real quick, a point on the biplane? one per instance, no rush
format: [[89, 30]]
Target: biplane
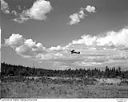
[[74, 52]]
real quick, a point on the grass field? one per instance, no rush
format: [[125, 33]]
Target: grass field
[[61, 88]]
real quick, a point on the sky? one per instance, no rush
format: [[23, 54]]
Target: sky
[[42, 33]]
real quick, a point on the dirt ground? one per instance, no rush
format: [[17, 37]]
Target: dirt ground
[[61, 89]]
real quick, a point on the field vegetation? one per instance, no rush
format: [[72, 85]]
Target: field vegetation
[[25, 82]]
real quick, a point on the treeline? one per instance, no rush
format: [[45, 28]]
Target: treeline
[[18, 70]]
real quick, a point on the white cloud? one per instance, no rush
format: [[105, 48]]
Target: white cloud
[[14, 40], [76, 17], [94, 50], [30, 42], [38, 11], [5, 7], [24, 47], [85, 39], [115, 39], [24, 51], [90, 9], [57, 48]]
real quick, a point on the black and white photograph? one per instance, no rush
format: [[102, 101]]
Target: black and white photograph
[[64, 49]]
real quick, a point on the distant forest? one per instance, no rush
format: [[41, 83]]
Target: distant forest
[[18, 70]]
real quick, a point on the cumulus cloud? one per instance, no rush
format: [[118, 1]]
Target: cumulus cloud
[[14, 40], [5, 7], [77, 17], [114, 39], [38, 11], [24, 47], [74, 19], [90, 9], [110, 39], [95, 50]]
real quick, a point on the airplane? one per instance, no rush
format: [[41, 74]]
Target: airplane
[[74, 52]]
